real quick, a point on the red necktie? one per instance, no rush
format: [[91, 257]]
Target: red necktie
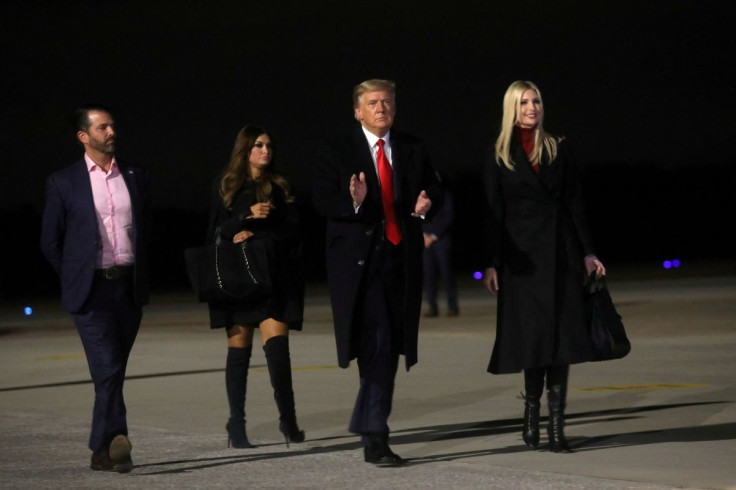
[[387, 195]]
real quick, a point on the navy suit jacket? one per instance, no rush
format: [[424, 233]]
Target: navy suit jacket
[[70, 237], [350, 235]]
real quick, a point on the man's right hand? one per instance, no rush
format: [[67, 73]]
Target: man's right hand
[[358, 189]]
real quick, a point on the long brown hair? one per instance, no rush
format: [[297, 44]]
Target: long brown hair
[[238, 172]]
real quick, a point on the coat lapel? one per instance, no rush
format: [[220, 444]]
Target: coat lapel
[[400, 154]]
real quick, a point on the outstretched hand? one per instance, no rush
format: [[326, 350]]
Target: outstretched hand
[[358, 189], [421, 208]]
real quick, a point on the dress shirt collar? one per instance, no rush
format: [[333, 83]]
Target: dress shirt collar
[[373, 139], [92, 166]]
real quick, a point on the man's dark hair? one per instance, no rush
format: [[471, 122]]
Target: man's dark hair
[[80, 121]]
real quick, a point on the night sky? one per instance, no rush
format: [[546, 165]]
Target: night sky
[[643, 90]]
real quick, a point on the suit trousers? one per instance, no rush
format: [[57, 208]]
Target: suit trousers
[[107, 324], [380, 338]]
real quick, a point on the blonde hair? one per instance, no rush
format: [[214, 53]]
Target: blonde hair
[[373, 85], [543, 141], [238, 173]]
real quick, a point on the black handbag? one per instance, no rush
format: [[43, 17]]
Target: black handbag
[[607, 334], [227, 271]]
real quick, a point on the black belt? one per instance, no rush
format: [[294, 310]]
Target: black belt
[[115, 272]]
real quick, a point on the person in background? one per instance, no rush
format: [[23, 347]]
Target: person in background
[[251, 202], [94, 233], [438, 259], [539, 252]]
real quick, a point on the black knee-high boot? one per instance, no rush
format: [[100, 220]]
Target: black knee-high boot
[[236, 381], [279, 368], [534, 386], [557, 400]]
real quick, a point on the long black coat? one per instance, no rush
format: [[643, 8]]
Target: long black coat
[[538, 237], [349, 236]]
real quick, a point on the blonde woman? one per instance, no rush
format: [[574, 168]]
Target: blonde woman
[[250, 202], [538, 254]]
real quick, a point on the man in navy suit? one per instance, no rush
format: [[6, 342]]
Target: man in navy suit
[[94, 234], [375, 186]]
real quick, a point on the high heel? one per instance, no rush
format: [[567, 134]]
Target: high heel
[[279, 369], [291, 432], [236, 436]]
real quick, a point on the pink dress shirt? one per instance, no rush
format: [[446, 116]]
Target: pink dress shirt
[[114, 215]]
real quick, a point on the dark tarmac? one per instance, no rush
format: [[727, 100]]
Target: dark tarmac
[[664, 417]]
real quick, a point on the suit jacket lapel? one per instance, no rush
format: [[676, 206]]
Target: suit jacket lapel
[[84, 185]]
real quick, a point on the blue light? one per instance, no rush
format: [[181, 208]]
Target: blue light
[[676, 263], [477, 275], [667, 264], [28, 310]]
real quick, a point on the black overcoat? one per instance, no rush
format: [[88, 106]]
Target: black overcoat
[[350, 235], [538, 238]]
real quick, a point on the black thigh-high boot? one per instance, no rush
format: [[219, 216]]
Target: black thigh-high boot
[[557, 400], [236, 381], [534, 386], [279, 368]]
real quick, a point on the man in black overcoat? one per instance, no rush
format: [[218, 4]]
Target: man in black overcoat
[[375, 186]]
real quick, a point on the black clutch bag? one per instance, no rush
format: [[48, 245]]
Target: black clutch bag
[[227, 271], [607, 334]]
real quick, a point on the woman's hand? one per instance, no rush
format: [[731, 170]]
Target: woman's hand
[[260, 210], [490, 280], [242, 236], [593, 264]]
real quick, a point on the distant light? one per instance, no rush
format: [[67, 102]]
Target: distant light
[[28, 311], [667, 264], [676, 263], [477, 275]]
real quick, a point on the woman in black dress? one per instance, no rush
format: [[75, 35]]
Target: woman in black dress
[[540, 250], [252, 203]]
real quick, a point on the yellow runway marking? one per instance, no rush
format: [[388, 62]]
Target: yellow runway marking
[[642, 387], [61, 358]]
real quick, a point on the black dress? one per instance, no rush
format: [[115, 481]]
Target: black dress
[[286, 303]]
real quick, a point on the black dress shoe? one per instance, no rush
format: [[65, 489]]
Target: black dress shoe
[[378, 452], [382, 459]]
